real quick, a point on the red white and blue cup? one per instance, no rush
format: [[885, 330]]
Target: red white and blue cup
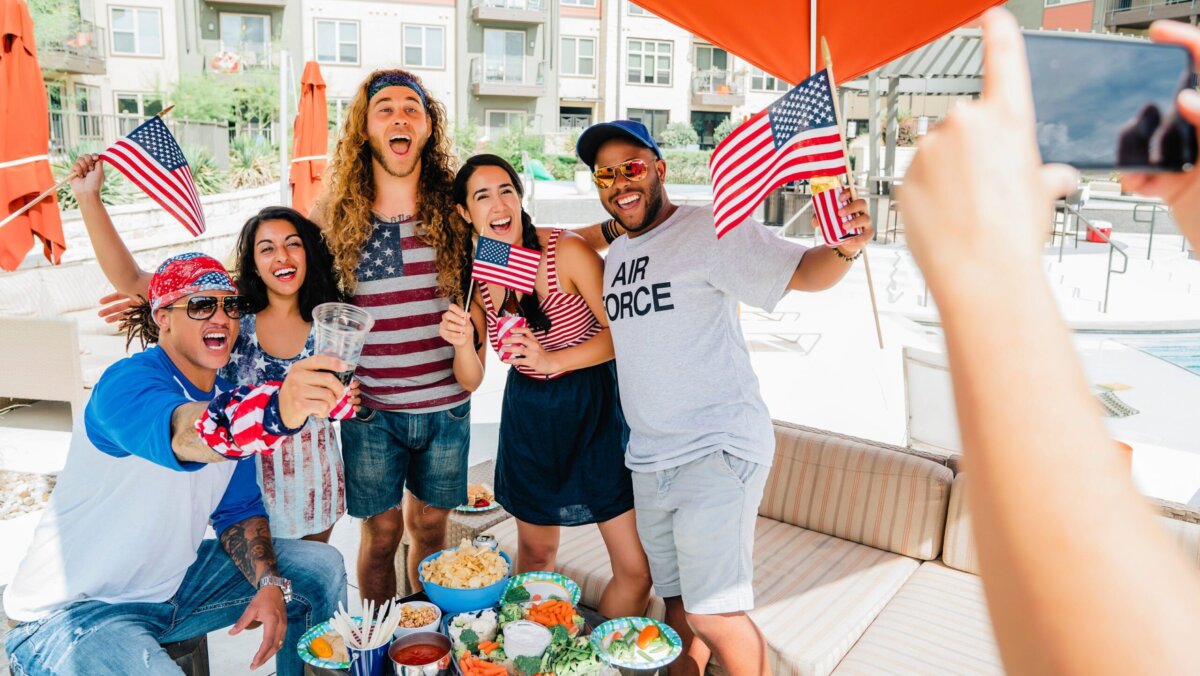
[[828, 196]]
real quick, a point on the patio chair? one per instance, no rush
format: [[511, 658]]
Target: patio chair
[[39, 359]]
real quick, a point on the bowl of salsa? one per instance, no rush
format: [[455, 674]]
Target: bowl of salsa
[[424, 653]]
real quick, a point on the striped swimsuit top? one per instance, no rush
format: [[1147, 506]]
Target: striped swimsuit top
[[571, 320]]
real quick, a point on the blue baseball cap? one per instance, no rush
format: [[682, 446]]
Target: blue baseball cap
[[594, 136]]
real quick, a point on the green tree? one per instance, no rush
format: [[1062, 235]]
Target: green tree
[[515, 141], [724, 129], [54, 21], [247, 97]]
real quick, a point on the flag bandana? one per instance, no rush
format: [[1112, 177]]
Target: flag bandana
[[186, 274], [828, 196], [152, 160], [505, 264], [796, 138], [246, 420]]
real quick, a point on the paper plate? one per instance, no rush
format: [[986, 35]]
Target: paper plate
[[601, 638], [308, 657], [545, 584], [470, 509]]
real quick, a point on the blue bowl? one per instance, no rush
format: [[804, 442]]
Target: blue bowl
[[452, 600]]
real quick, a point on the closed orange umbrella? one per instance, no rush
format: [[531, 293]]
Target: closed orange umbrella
[[862, 34], [24, 143], [312, 140]]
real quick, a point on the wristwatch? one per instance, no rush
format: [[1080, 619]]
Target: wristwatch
[[284, 584]]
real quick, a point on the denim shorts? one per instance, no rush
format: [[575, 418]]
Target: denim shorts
[[696, 523], [385, 451]]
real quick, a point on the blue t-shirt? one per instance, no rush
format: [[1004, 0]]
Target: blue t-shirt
[[130, 414]]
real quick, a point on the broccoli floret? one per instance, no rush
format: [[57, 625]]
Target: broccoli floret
[[470, 639], [559, 635], [517, 594], [528, 665], [511, 612]]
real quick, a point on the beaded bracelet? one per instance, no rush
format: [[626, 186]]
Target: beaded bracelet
[[844, 257]]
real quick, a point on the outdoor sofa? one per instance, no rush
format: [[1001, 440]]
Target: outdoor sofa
[[864, 561]]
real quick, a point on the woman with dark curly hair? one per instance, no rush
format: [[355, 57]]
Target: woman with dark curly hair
[[386, 216]]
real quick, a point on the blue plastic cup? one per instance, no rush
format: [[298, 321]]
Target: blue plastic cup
[[368, 662]]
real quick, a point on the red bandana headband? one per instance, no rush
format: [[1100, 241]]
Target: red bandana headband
[[186, 274]]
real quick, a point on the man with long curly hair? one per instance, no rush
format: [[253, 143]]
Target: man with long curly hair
[[386, 216]]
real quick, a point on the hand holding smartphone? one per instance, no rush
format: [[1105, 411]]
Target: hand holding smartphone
[[1109, 103]]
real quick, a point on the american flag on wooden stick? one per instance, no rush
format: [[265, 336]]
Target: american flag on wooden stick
[[795, 138], [505, 264], [150, 157]]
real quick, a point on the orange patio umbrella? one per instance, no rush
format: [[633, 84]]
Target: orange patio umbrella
[[777, 36], [24, 143], [312, 140]]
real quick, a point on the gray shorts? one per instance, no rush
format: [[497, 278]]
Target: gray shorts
[[696, 523]]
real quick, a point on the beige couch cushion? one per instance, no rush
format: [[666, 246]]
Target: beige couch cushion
[[816, 594], [858, 491], [959, 550], [936, 624]]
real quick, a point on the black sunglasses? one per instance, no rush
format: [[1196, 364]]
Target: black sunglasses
[[203, 307]]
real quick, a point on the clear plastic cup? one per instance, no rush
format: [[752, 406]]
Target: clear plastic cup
[[505, 326], [341, 331]]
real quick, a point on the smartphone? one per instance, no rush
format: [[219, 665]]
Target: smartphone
[[1109, 103]]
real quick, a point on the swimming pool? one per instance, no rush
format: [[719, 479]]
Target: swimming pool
[[1180, 349]]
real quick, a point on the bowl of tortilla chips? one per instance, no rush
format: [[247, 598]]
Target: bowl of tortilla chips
[[465, 577]]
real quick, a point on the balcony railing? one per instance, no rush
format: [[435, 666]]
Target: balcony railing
[[508, 77], [509, 11], [1141, 13], [218, 59], [81, 51], [717, 88]]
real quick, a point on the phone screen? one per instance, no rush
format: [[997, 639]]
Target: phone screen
[[1106, 104]]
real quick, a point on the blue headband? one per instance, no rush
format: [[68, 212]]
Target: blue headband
[[395, 78]]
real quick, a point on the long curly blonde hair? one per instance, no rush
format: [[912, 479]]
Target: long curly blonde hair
[[346, 208]]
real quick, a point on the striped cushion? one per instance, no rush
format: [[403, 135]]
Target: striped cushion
[[958, 551], [858, 491], [936, 624], [816, 594]]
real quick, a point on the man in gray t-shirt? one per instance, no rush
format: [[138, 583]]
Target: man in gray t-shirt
[[701, 441]]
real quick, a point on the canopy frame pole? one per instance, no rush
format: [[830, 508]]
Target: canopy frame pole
[[837, 112]]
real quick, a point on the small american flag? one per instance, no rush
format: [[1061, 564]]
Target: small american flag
[[825, 205], [795, 138], [150, 157], [505, 264]]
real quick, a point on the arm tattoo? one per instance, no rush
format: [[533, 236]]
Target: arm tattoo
[[188, 445], [248, 543]]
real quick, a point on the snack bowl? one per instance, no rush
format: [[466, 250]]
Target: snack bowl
[[433, 665], [452, 600], [432, 626]]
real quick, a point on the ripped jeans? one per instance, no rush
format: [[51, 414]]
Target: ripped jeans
[[94, 637]]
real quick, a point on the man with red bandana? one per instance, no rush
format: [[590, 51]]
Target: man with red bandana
[[119, 563]]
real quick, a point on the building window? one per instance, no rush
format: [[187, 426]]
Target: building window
[[578, 56], [499, 121], [136, 31], [248, 36], [649, 62], [337, 42], [578, 3], [635, 10], [503, 56], [87, 105], [655, 120], [761, 81], [337, 111], [139, 105], [423, 46], [574, 117]]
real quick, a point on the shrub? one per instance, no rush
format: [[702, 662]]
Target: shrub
[[724, 129], [515, 141], [247, 97], [678, 135], [206, 173], [687, 166], [252, 162], [116, 188], [466, 139], [562, 166]]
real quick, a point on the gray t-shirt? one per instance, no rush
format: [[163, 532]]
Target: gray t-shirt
[[671, 295]]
